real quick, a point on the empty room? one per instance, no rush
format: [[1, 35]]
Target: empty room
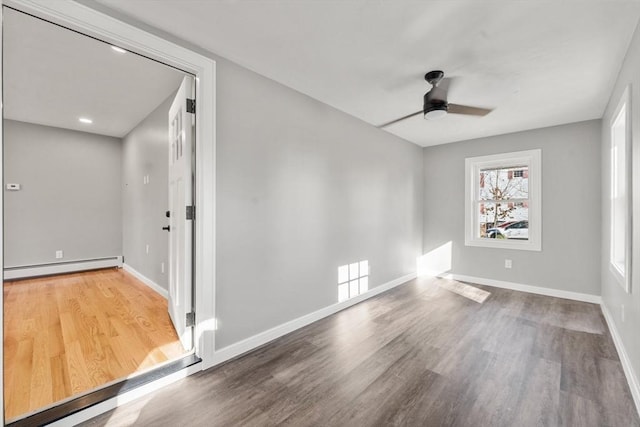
[[320, 213]]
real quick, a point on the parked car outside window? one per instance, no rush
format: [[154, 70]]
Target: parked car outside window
[[512, 230]]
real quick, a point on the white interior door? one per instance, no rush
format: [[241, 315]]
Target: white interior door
[[181, 146]]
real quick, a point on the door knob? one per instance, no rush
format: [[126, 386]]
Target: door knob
[[168, 228]]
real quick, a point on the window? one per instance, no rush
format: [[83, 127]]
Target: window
[[503, 193], [353, 280], [620, 190]]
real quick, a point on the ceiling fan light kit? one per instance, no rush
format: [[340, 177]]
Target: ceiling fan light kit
[[435, 112]]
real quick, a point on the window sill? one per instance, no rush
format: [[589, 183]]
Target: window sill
[[521, 245]]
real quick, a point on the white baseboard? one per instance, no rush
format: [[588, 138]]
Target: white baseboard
[[144, 279], [262, 338], [121, 399], [629, 372], [577, 296], [61, 267]]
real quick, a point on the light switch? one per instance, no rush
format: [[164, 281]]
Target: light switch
[[13, 187]]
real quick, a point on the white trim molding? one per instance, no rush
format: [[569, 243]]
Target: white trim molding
[[576, 296], [121, 399], [144, 279], [1, 222], [61, 267], [632, 377], [251, 343]]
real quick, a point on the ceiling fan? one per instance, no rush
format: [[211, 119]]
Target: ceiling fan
[[435, 101]]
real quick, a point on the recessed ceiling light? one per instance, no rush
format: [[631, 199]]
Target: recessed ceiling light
[[85, 120], [118, 49]]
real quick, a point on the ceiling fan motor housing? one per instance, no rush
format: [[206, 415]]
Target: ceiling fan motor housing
[[434, 108]]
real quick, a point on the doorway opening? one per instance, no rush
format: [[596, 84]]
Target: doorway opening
[[98, 182]]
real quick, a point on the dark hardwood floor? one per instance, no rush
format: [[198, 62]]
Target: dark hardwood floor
[[418, 355]]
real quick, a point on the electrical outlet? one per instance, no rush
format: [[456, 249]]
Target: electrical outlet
[[508, 263], [147, 249], [622, 312], [59, 254]]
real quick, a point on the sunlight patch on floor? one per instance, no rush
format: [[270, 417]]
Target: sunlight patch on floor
[[471, 292]]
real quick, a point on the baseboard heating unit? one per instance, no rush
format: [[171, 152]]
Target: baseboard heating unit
[[22, 272]]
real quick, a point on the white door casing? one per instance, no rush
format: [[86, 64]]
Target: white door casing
[[180, 196], [102, 26]]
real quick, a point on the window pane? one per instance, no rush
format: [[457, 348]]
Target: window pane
[[504, 183], [619, 191], [504, 220]]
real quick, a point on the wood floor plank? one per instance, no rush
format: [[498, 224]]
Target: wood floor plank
[[20, 394], [60, 383], [41, 385], [421, 354], [65, 335]]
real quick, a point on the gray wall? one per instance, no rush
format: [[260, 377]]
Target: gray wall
[[145, 152], [613, 296], [570, 208], [70, 197], [302, 189]]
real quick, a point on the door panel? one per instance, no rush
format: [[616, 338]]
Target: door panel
[[180, 196]]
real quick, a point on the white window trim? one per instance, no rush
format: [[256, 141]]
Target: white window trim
[[473, 165], [623, 278]]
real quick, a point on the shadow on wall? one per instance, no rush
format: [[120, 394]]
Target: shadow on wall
[[435, 262]]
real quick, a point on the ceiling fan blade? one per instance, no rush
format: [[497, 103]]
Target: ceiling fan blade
[[400, 119], [440, 92], [469, 111]]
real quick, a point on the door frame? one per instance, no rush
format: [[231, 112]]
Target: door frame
[[96, 24]]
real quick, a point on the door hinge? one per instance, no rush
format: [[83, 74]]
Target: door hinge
[[191, 106], [191, 319], [191, 212]]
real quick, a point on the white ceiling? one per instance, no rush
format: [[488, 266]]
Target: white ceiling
[[538, 63], [53, 76]]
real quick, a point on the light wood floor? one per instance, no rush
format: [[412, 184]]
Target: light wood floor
[[67, 334], [418, 355]]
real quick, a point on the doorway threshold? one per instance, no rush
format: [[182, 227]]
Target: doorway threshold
[[70, 407]]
